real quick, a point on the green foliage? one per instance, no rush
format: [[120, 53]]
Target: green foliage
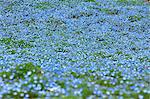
[[132, 95], [97, 79], [78, 32], [128, 56], [1, 57], [12, 51], [22, 43], [44, 5], [61, 84], [86, 90], [107, 83], [59, 49], [122, 0], [144, 58], [9, 7], [74, 74], [109, 11], [101, 54], [49, 34], [68, 97], [29, 22], [134, 18], [53, 20], [21, 70], [102, 83], [6, 40], [12, 43], [5, 74], [90, 0], [84, 76], [119, 52], [18, 95], [133, 2]]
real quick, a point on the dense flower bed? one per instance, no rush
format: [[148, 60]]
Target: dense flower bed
[[74, 49]]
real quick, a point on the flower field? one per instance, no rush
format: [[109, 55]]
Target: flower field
[[74, 49]]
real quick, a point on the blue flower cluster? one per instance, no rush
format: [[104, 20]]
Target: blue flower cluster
[[74, 49]]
